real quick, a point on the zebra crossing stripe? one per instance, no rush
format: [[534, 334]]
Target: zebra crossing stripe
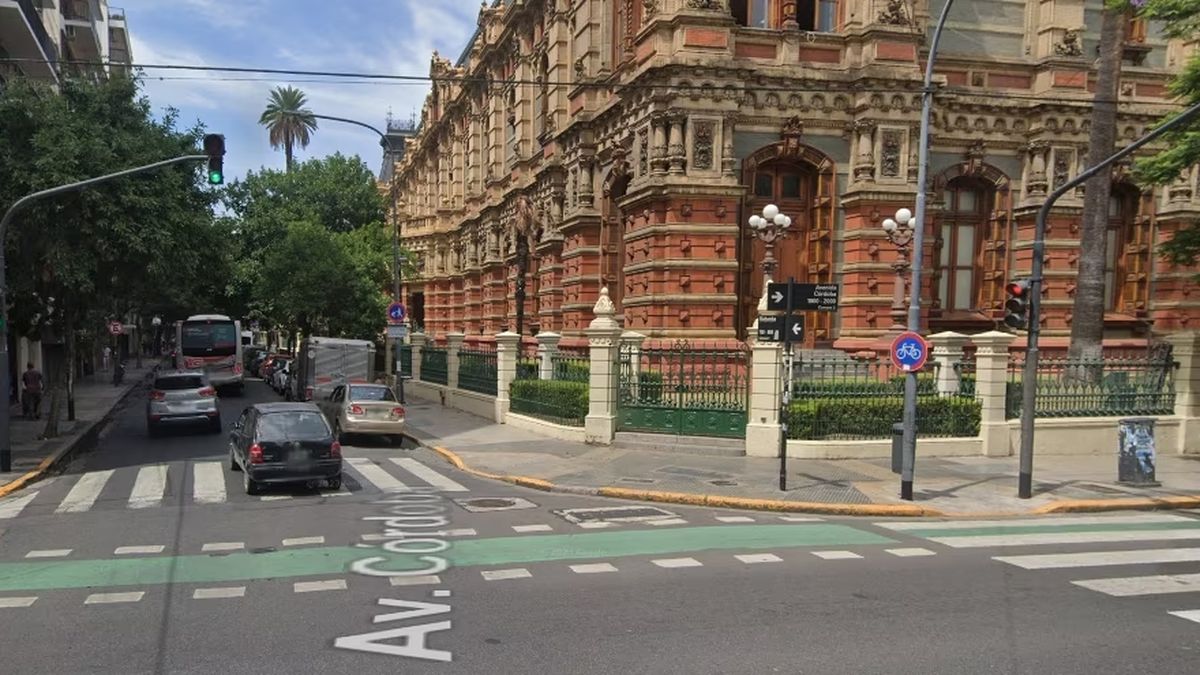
[[1052, 561], [1036, 538], [1136, 519], [428, 475], [375, 475], [208, 482], [1157, 584], [11, 508], [149, 487], [1190, 615], [85, 492]]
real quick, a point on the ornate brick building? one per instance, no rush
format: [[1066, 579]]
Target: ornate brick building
[[642, 134]]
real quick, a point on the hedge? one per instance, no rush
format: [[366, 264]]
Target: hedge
[[559, 401], [860, 387], [864, 418]]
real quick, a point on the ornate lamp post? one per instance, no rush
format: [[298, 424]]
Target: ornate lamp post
[[157, 323], [767, 228], [901, 235]]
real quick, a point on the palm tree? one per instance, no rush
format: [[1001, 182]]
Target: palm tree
[[288, 121]]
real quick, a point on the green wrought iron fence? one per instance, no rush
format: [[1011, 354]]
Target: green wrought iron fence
[[434, 365], [841, 398], [406, 360], [684, 389], [1115, 385], [477, 370], [562, 399]]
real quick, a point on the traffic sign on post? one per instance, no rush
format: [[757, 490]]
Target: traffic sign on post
[[909, 351], [772, 328], [114, 327], [395, 313], [805, 297]]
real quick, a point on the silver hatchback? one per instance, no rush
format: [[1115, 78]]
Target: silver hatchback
[[181, 398]]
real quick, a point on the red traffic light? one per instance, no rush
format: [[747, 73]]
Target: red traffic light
[[1018, 288]]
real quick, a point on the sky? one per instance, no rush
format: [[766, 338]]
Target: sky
[[379, 36]]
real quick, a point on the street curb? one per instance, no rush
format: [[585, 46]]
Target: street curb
[[69, 448], [694, 499], [1129, 504]]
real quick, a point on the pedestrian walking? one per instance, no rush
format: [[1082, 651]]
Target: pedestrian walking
[[34, 385], [107, 358]]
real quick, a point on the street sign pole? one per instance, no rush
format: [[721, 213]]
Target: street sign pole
[[786, 399]]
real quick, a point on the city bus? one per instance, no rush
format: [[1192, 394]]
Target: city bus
[[211, 343]]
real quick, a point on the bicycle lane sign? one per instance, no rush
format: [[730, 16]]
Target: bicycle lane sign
[[909, 351]]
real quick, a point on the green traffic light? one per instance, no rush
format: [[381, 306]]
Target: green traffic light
[[215, 178]]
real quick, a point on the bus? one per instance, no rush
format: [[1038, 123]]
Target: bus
[[211, 342]]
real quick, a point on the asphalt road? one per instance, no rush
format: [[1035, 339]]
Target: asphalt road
[[146, 557]]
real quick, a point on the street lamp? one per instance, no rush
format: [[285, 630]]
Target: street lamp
[[901, 235], [157, 323], [767, 228]]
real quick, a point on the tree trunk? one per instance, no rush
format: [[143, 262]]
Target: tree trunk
[[1087, 322], [287, 153], [58, 387]]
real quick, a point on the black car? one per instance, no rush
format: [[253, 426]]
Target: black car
[[277, 443]]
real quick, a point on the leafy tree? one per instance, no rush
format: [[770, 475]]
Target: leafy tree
[[337, 191], [287, 121]]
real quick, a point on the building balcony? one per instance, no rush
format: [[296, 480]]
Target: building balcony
[[23, 36], [119, 50], [81, 29]]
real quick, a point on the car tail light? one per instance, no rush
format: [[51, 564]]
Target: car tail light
[[397, 412], [256, 455], [335, 450], [158, 395], [355, 410], [237, 369], [208, 392]]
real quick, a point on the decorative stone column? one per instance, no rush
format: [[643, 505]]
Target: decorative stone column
[[728, 155], [991, 379], [604, 334], [586, 187], [676, 151], [658, 147], [948, 355], [1037, 183], [1185, 349], [864, 161], [454, 342], [508, 351], [766, 396], [417, 340], [547, 350]]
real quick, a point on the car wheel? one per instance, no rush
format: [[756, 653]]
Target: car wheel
[[252, 487], [233, 465], [335, 483]]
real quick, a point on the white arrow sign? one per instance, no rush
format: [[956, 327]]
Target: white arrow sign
[[777, 297], [797, 329]]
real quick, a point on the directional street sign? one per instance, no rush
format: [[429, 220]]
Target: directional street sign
[[909, 351], [805, 297], [395, 312], [771, 328]]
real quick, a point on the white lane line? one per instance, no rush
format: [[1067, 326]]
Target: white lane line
[[85, 492], [303, 541], [208, 482], [532, 528], [440, 593], [755, 558], [1156, 584], [836, 555], [428, 475], [315, 586], [1136, 519], [598, 525], [138, 550], [500, 575], [1189, 614], [461, 532], [423, 580], [735, 519], [112, 598], [666, 521], [670, 563], [801, 519], [10, 508], [223, 546], [216, 593], [149, 487], [1101, 558], [593, 568], [49, 553], [18, 602], [909, 552], [274, 498], [1035, 538], [374, 474]]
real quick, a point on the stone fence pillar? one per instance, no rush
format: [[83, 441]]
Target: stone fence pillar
[[454, 342], [547, 350], [766, 396], [604, 335], [948, 354], [417, 340], [1185, 348], [991, 381], [508, 352]]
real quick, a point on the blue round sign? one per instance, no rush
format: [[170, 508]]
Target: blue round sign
[[395, 312], [909, 351]]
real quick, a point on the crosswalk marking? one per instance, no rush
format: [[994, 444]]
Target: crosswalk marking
[[316, 586], [1046, 561], [375, 475], [735, 519], [671, 563], [756, 558], [217, 593], [303, 541], [593, 568], [49, 553], [10, 508], [222, 546], [18, 602], [110, 598], [1136, 519], [910, 552], [422, 580], [1190, 614], [1156, 584], [85, 492], [149, 487], [666, 521], [595, 525], [208, 482], [1035, 538], [532, 528], [500, 575], [836, 555], [138, 550], [428, 475]]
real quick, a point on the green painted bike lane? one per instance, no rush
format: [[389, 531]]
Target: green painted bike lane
[[63, 574]]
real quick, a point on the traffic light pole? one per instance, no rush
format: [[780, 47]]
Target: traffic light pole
[[5, 375], [1029, 378]]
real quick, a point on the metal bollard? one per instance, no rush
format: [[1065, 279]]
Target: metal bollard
[[898, 447], [1135, 452]]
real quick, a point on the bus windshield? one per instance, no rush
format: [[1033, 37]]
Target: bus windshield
[[209, 338]]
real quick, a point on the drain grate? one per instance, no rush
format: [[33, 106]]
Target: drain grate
[[615, 514], [485, 504]]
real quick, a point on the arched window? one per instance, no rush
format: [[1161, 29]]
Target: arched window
[[962, 227]]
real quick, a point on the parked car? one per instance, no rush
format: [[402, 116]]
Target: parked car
[[268, 365], [256, 362], [250, 357], [280, 443], [367, 409], [182, 397]]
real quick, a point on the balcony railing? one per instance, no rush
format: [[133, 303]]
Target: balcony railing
[[39, 30]]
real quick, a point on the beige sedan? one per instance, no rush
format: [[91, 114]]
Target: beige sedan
[[363, 409]]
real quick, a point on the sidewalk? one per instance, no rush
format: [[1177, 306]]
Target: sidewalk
[[95, 398], [942, 486]]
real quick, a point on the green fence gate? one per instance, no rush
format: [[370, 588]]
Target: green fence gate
[[683, 389]]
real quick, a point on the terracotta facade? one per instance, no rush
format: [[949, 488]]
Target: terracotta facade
[[644, 133]]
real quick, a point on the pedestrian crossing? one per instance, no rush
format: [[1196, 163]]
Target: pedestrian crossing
[[1086, 569], [206, 483]]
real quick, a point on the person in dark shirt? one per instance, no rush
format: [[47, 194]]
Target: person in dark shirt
[[34, 384]]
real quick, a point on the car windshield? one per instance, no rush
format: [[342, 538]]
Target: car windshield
[[178, 382], [293, 424], [371, 394]]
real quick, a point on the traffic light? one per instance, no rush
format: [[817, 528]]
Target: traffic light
[[214, 147], [1016, 308]]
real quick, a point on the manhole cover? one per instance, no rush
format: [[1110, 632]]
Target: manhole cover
[[484, 504], [723, 483], [616, 514]]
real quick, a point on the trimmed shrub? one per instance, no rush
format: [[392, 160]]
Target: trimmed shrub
[[560, 401], [816, 419]]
